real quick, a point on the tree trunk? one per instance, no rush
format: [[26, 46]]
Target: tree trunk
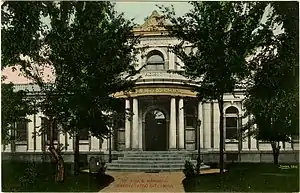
[[60, 171], [76, 155], [221, 128], [276, 150]]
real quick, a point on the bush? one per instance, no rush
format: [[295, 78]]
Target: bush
[[29, 176], [189, 169], [97, 165]]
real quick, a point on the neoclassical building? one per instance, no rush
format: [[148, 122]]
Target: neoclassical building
[[165, 113]]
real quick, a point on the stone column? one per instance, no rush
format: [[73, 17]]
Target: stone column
[[140, 131], [181, 123], [172, 129], [216, 126], [245, 141], [30, 130], [127, 126], [104, 146], [8, 146], [206, 125], [135, 124], [171, 61], [200, 117], [70, 143], [62, 136], [38, 138], [253, 141], [94, 144]]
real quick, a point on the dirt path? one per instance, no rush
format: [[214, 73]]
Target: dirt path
[[145, 182], [148, 182]]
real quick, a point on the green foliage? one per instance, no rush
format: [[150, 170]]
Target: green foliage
[[15, 106], [273, 99], [189, 169], [29, 176], [221, 35], [90, 48]]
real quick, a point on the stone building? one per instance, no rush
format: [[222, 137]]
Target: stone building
[[165, 112]]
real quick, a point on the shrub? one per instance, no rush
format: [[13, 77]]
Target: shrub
[[189, 169], [29, 176]]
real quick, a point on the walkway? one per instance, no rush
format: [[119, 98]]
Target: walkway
[[145, 182], [148, 182]]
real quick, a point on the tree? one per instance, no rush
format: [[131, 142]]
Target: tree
[[222, 35], [91, 49], [15, 106], [273, 99]]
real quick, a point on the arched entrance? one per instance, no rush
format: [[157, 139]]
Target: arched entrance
[[155, 131]]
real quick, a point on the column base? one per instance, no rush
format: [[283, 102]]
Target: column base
[[173, 149], [30, 150]]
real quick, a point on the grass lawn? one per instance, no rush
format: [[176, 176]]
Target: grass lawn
[[247, 178], [26, 177]]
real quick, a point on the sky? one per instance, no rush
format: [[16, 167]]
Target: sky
[[140, 10]]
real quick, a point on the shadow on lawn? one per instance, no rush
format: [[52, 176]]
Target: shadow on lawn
[[101, 181], [246, 178], [39, 177]]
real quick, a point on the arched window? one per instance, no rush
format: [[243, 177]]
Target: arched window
[[231, 123], [155, 61]]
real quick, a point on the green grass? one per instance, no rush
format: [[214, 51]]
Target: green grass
[[39, 177], [247, 178]]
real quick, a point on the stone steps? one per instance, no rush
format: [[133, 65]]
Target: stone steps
[[152, 161], [152, 169], [154, 158]]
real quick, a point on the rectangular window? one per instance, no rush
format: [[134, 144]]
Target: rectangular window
[[231, 133], [21, 130], [231, 128], [231, 122], [46, 126]]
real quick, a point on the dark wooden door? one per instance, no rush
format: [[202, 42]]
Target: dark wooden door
[[155, 132]]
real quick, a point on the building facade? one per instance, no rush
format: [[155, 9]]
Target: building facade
[[165, 113]]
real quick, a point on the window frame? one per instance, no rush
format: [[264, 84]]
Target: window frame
[[21, 142], [232, 115], [45, 133], [155, 65]]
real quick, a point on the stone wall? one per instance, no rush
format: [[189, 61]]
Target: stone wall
[[207, 157]]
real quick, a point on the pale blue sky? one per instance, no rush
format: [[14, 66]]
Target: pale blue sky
[[141, 9]]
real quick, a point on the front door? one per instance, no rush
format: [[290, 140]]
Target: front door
[[155, 131]]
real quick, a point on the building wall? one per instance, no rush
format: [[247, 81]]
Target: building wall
[[250, 149]]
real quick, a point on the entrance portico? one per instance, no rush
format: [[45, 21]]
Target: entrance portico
[[157, 122]]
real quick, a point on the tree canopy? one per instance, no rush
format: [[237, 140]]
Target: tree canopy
[[15, 107], [90, 48], [222, 35], [273, 99]]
